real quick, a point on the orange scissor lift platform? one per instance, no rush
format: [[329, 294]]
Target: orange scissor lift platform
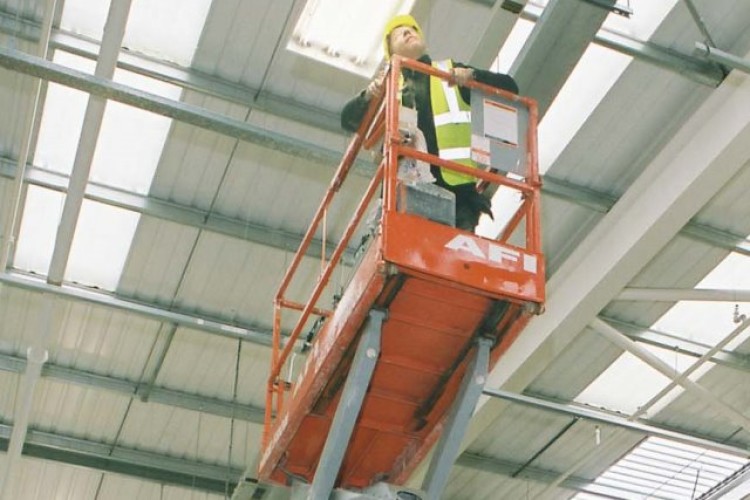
[[428, 311]]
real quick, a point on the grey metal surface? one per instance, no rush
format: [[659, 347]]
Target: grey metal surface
[[350, 404], [258, 336], [457, 420], [122, 460]]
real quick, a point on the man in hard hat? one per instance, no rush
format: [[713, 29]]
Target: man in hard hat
[[448, 137]]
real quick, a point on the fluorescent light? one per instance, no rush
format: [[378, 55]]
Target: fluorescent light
[[347, 35]]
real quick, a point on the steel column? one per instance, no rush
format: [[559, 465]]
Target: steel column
[[348, 408], [457, 421]]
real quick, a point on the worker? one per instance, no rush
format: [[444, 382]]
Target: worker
[[449, 139]]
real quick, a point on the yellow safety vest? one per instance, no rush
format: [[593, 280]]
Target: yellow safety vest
[[452, 119]]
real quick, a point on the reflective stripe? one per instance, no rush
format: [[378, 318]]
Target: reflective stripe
[[455, 153], [454, 113], [447, 118]]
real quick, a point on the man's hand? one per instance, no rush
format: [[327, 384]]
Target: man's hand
[[461, 76], [375, 89]]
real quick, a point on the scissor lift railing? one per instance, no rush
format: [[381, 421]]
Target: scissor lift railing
[[421, 287]]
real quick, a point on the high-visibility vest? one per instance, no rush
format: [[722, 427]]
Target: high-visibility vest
[[452, 118]]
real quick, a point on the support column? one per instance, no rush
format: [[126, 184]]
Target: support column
[[348, 409], [457, 422]]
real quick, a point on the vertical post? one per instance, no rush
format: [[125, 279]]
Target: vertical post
[[457, 421], [349, 407]]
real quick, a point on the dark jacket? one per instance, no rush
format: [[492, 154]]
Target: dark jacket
[[355, 109]]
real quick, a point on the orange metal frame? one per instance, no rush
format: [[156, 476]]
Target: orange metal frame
[[412, 263]]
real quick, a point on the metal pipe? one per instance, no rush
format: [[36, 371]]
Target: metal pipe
[[721, 57], [678, 294], [36, 356], [9, 228], [114, 31]]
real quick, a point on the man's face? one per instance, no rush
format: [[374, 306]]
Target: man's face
[[405, 41]]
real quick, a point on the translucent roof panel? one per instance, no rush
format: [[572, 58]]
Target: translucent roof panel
[[347, 35], [662, 469], [167, 29], [36, 238], [101, 245], [130, 139], [512, 46]]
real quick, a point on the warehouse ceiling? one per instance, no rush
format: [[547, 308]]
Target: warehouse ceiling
[[158, 174]]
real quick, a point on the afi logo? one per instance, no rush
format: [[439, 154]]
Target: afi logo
[[491, 252]]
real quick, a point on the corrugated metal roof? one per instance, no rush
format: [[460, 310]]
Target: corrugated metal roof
[[228, 279]]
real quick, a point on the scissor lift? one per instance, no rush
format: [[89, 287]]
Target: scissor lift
[[401, 361]]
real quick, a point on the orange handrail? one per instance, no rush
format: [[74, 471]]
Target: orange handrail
[[383, 119]]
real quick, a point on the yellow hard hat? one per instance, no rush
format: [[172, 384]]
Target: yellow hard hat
[[401, 20]]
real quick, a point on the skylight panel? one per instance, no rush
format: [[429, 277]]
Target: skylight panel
[[130, 140], [167, 29], [101, 245], [512, 46], [36, 237], [62, 119], [347, 35], [624, 386], [662, 469]]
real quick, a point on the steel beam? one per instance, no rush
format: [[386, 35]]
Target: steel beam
[[722, 407], [238, 228], [601, 417], [603, 203], [122, 460], [174, 212], [15, 60], [509, 469], [161, 395], [729, 359], [680, 294], [185, 319], [187, 78]]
